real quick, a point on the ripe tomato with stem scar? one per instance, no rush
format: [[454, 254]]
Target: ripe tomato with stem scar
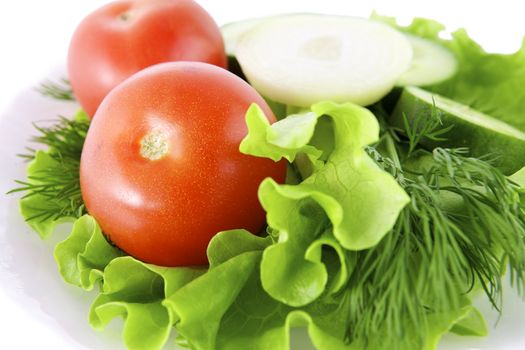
[[161, 169]]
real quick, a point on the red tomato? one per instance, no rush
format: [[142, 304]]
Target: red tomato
[[127, 36], [161, 169]]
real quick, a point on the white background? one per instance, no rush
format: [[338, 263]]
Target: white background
[[34, 38]]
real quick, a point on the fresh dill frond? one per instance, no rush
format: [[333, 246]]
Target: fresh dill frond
[[64, 138], [464, 227], [465, 223], [424, 127], [58, 90], [57, 185], [59, 188]]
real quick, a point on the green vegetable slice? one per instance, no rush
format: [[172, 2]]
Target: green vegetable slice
[[483, 135], [431, 63]]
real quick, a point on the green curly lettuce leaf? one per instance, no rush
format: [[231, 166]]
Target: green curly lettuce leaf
[[136, 291], [238, 313], [229, 244], [346, 193], [285, 139], [241, 315], [443, 322], [84, 254], [33, 204], [489, 82], [472, 324], [223, 308], [519, 178], [129, 288]]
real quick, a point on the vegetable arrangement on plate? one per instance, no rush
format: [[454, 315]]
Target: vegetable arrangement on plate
[[362, 181]]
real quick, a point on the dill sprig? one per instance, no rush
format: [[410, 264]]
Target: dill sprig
[[463, 228], [57, 184], [430, 128], [64, 137], [58, 90], [465, 223]]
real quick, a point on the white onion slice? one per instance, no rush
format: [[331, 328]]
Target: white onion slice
[[303, 59]]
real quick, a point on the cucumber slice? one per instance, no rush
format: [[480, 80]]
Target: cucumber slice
[[303, 59], [482, 134], [431, 63]]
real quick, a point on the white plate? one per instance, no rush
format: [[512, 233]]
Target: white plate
[[36, 307]]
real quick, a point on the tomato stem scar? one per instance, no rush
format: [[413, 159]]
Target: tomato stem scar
[[125, 16], [154, 145]]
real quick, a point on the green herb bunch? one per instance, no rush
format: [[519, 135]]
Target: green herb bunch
[[464, 225], [57, 184]]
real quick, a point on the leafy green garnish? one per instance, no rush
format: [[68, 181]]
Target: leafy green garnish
[[59, 91], [399, 283], [240, 314], [52, 189], [64, 138], [83, 256], [424, 128], [488, 82], [472, 324], [312, 270], [128, 288], [464, 225], [137, 292], [348, 195]]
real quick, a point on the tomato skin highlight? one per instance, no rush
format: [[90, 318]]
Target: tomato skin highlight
[[124, 37], [165, 211]]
